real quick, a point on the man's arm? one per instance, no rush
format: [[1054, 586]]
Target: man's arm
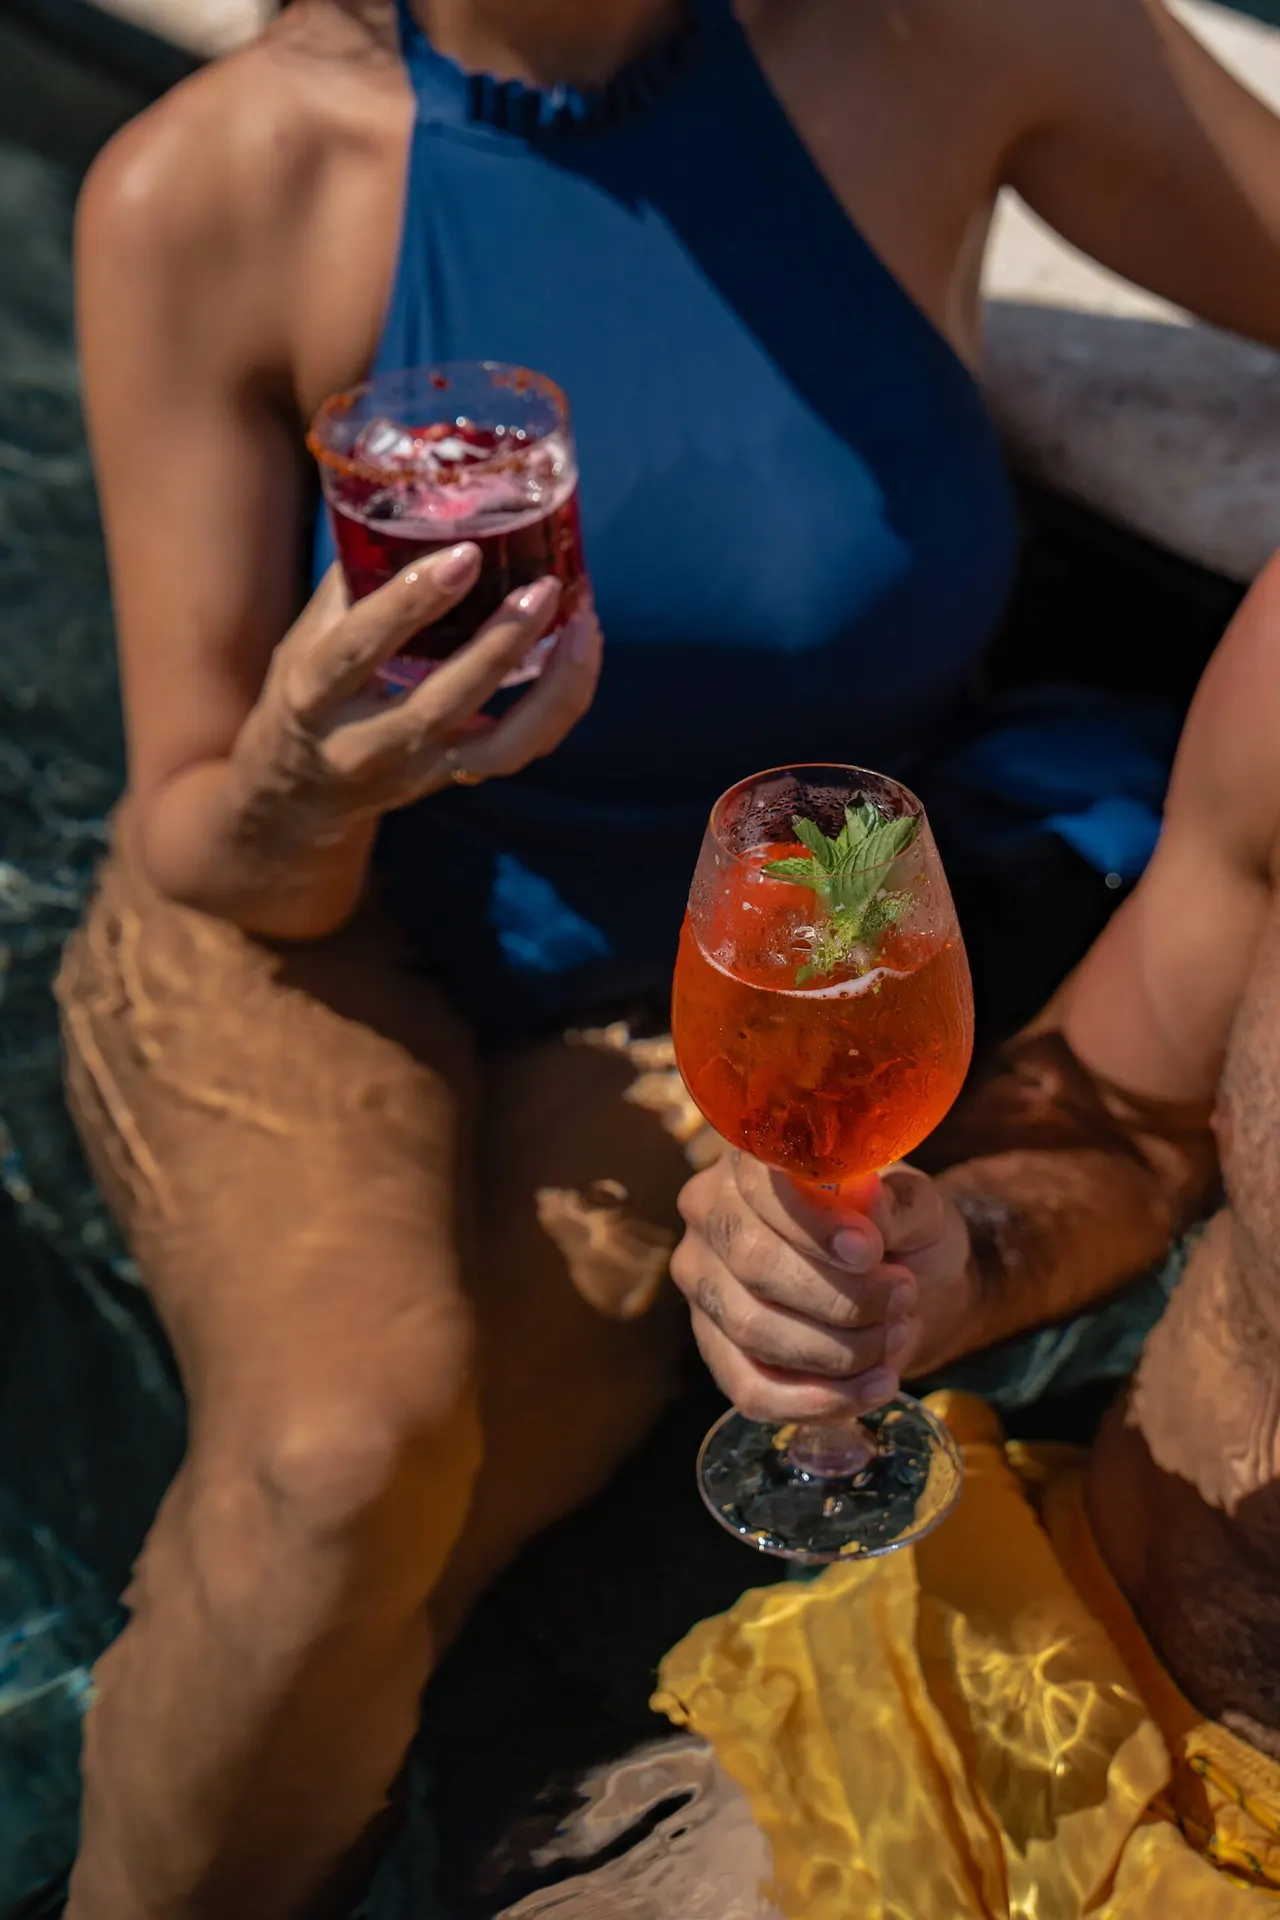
[[1088, 1145]]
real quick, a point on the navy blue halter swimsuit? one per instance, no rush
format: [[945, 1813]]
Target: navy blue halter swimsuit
[[796, 518]]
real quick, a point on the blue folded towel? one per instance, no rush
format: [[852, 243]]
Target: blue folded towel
[[1088, 766]]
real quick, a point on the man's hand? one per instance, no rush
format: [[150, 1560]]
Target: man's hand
[[811, 1311]]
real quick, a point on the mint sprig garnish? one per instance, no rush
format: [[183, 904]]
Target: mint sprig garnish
[[848, 874]]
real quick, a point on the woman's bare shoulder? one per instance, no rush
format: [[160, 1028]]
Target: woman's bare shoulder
[[227, 193], [233, 156]]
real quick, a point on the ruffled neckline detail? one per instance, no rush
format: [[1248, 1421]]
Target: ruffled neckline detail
[[448, 91]]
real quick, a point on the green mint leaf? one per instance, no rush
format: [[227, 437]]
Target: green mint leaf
[[803, 873], [854, 883], [811, 836], [863, 871], [850, 874], [889, 839], [884, 913], [858, 823]]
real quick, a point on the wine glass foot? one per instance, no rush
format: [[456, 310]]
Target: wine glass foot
[[909, 1486]]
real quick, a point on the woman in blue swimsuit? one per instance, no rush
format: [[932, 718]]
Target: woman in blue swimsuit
[[354, 1024]]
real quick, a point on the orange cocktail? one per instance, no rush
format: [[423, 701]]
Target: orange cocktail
[[833, 1078], [823, 1023]]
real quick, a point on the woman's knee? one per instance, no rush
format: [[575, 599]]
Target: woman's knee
[[373, 1472], [334, 1464]]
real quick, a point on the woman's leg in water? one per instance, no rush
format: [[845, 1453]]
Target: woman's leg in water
[[357, 1235]]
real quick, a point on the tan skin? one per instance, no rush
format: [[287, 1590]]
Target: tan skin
[[1181, 992], [236, 248]]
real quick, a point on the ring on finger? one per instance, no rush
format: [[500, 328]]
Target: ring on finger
[[460, 775]]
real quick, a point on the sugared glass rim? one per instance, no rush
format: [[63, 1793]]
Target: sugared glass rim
[[439, 375], [914, 808]]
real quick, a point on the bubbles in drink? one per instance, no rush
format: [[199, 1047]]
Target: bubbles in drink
[[450, 481], [868, 982], [384, 444], [417, 460], [832, 1077], [460, 480], [439, 448]]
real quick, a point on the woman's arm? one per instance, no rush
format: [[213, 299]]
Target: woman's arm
[[261, 751], [184, 276], [1143, 152]]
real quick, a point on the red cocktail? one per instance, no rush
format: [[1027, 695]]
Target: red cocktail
[[417, 461], [823, 1023]]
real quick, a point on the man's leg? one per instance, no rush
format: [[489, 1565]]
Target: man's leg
[[283, 1136]]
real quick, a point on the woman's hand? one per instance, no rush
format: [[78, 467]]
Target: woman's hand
[[810, 1312], [325, 749], [275, 835]]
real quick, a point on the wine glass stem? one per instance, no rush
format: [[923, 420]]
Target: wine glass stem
[[832, 1452]]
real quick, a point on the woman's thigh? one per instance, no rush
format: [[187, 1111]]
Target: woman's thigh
[[322, 1185], [279, 1133]]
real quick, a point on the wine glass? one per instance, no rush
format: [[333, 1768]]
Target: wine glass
[[823, 1023]]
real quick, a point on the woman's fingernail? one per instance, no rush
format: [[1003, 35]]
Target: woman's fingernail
[[876, 1387], [537, 598], [853, 1249], [901, 1300], [455, 566], [895, 1339]]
